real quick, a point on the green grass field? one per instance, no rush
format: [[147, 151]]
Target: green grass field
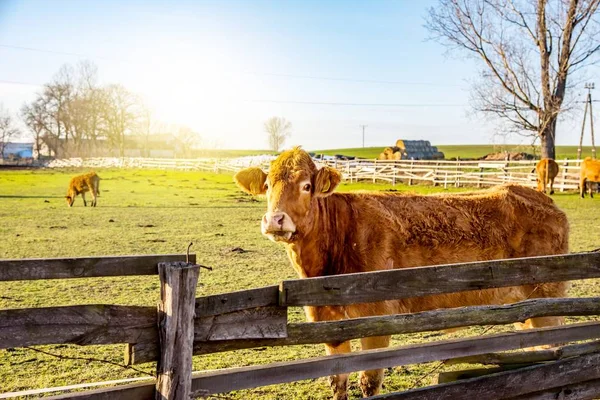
[[158, 212]]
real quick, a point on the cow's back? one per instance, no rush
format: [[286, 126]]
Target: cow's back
[[402, 231], [399, 231], [590, 169]]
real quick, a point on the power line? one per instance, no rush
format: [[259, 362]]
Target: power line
[[63, 53], [324, 78], [312, 77], [20, 83], [322, 103]]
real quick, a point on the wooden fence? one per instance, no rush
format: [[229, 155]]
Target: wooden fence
[[445, 173], [258, 317]]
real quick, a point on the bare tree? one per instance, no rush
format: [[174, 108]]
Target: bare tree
[[278, 129], [8, 130], [37, 119], [120, 114], [186, 139], [528, 49]]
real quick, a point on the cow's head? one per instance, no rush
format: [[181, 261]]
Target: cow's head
[[292, 187], [70, 199]]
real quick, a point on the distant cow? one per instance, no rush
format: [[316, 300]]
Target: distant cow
[[546, 171], [590, 172], [327, 233], [89, 182]]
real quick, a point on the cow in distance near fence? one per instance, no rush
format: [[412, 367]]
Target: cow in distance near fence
[[546, 171], [328, 233], [590, 173]]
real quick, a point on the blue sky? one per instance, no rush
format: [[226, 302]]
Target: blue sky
[[224, 67]]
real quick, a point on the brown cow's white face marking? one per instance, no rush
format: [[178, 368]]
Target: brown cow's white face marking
[[292, 186]]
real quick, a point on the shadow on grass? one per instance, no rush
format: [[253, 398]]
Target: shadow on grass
[[29, 197]]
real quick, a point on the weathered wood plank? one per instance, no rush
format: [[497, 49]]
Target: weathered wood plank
[[509, 384], [112, 324], [324, 332], [236, 301], [84, 267], [255, 376], [260, 323], [255, 323], [525, 357], [82, 325], [178, 282], [137, 391], [423, 281], [453, 376], [588, 390], [69, 388]]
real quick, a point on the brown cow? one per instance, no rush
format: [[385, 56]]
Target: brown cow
[[327, 233], [546, 170], [590, 172], [89, 182]]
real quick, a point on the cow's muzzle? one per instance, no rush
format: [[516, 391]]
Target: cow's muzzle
[[278, 226]]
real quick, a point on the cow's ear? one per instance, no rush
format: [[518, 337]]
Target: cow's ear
[[251, 180], [326, 181]]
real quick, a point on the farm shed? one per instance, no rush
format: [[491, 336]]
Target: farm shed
[[18, 150]]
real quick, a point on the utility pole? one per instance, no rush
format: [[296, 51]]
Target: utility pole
[[363, 129], [588, 101]]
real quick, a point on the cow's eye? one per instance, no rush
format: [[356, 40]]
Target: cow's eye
[[306, 187]]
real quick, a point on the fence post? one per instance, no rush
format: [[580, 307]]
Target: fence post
[[348, 171], [435, 174], [458, 173], [480, 177], [374, 170], [412, 161], [564, 174], [178, 282]]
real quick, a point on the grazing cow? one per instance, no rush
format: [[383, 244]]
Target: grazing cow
[[590, 172], [327, 233], [89, 182], [546, 170]]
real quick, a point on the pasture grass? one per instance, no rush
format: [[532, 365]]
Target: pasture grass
[[159, 212]]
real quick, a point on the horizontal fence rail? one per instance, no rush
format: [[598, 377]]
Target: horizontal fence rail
[[334, 331], [283, 372], [449, 173], [84, 267], [402, 283], [511, 384]]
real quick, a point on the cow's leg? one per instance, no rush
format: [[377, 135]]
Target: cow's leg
[[370, 381], [83, 197], [552, 186], [582, 188], [547, 290], [338, 383], [94, 195]]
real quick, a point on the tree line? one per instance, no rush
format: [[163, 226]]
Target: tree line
[[73, 115]]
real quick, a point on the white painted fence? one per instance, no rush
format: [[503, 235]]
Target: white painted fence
[[442, 172]]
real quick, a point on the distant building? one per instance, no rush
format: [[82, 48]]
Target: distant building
[[18, 150]]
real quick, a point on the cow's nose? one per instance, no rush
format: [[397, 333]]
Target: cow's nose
[[274, 220]]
